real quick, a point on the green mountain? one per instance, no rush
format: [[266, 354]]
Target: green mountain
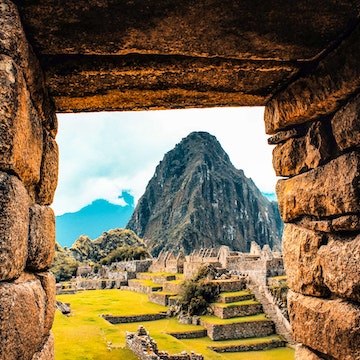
[[93, 220]]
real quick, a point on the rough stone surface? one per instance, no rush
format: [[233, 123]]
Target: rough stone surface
[[302, 264], [301, 154], [21, 318], [21, 135], [322, 92], [47, 351], [331, 189], [14, 44], [346, 124], [338, 224], [41, 237], [346, 223], [282, 136], [331, 327], [49, 171], [47, 280], [304, 353], [340, 263], [14, 226]]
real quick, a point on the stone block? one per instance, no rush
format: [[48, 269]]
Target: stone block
[[321, 92], [346, 223], [304, 353], [298, 155], [340, 263], [338, 224], [41, 238], [14, 226], [21, 134], [21, 318], [282, 136], [49, 171], [14, 44], [47, 351], [12, 37], [301, 260], [346, 124], [47, 280], [331, 327], [329, 190]]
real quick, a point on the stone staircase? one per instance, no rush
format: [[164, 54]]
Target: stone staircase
[[239, 316], [282, 326]]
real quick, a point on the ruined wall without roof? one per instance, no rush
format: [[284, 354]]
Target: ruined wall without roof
[[28, 177], [316, 126]]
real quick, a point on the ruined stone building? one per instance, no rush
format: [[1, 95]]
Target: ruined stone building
[[299, 59]]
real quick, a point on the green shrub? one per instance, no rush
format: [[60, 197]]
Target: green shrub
[[196, 294]]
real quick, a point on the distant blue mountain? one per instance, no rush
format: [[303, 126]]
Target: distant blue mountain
[[93, 220], [270, 196]]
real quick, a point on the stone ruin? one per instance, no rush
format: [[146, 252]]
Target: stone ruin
[[168, 262], [300, 61], [145, 348], [258, 263]]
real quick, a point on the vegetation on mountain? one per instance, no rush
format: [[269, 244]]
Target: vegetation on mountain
[[125, 253], [64, 265], [113, 245], [198, 199]]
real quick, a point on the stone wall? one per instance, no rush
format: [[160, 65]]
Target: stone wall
[[145, 348], [233, 331], [113, 319], [315, 123], [28, 178]]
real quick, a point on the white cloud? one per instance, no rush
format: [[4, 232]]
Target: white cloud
[[102, 154]]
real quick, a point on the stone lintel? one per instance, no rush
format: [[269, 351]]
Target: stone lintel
[[331, 327], [322, 92], [154, 81], [329, 190]]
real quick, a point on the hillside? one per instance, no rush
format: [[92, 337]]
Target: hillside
[[112, 245], [197, 198], [93, 220]]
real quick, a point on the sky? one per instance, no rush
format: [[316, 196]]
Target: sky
[[102, 154]]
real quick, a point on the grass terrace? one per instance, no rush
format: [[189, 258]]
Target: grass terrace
[[85, 335]]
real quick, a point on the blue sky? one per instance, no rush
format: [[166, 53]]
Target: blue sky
[[102, 154]]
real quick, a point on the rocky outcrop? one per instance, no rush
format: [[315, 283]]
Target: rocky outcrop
[[84, 249], [197, 198]]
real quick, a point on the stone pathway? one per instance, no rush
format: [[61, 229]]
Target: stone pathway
[[281, 324]]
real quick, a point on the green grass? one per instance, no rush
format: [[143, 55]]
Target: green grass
[[211, 319], [148, 283], [238, 303], [236, 293], [84, 334]]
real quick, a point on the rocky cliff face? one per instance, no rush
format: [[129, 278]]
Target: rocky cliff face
[[197, 198]]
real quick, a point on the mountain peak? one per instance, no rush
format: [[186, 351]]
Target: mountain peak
[[197, 198]]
